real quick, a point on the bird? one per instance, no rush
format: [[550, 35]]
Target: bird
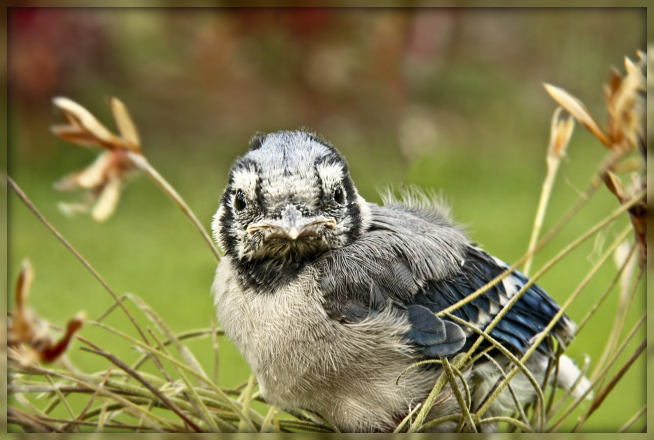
[[330, 298]]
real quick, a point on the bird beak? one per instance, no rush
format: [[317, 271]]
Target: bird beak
[[292, 226]]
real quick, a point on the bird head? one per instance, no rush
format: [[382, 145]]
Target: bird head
[[289, 198]]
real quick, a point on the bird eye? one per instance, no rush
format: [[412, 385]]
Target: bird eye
[[239, 201], [338, 196]]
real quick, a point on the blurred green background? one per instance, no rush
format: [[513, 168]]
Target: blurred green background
[[449, 99]]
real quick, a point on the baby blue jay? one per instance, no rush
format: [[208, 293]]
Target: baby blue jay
[[330, 298]]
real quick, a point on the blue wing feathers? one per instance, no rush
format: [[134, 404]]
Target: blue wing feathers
[[529, 315], [359, 286]]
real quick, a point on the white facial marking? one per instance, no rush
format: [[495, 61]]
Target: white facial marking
[[299, 185], [246, 181], [331, 175]]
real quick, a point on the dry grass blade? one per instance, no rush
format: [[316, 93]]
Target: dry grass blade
[[624, 307], [29, 422], [219, 392], [602, 224], [428, 404], [201, 408], [632, 420], [439, 421], [169, 334], [272, 411], [518, 405], [610, 287], [602, 395], [484, 334], [549, 327], [246, 398], [89, 382], [560, 134], [509, 420], [62, 399], [86, 264], [400, 427], [556, 424], [120, 364], [465, 409], [95, 396], [142, 163]]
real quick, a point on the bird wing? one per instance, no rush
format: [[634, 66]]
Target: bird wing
[[419, 264]]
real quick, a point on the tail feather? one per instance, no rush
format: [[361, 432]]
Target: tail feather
[[568, 375]]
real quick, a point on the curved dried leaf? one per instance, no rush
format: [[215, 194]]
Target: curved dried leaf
[[577, 109], [125, 124], [75, 135], [51, 353], [81, 117], [560, 134], [612, 85], [23, 285], [108, 200], [627, 106], [93, 175], [614, 184]]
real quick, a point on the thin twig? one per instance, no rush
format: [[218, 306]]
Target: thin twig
[[457, 393], [605, 392], [407, 419], [268, 419], [599, 226], [429, 402], [608, 290], [142, 163], [120, 364], [19, 192], [519, 364], [618, 325], [232, 405], [550, 402], [196, 401], [29, 421], [518, 404], [247, 398], [509, 420], [601, 375], [633, 419], [62, 399], [95, 396], [545, 332]]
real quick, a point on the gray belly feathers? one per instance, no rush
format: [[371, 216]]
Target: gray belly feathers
[[334, 337]]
